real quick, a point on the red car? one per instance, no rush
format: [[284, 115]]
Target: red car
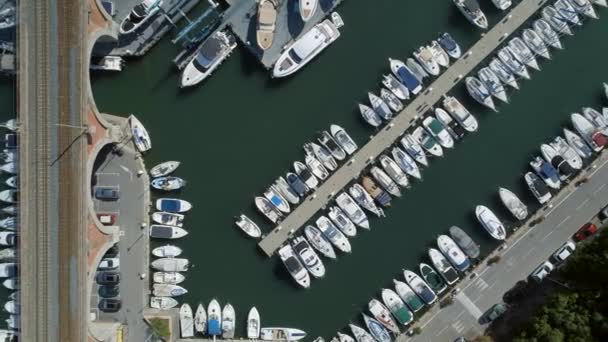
[[585, 231]]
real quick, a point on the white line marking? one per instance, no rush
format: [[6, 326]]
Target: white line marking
[[481, 284], [430, 319], [599, 189], [560, 202], [470, 306], [582, 204], [546, 236], [441, 331], [563, 221]]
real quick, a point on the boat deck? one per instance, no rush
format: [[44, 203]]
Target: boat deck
[[402, 121]]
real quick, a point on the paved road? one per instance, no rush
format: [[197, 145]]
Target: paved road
[[527, 249], [391, 133]]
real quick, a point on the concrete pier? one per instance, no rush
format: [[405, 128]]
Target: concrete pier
[[393, 131]]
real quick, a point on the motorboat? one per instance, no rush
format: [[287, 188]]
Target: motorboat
[[578, 144], [141, 138], [15, 295], [163, 303], [397, 307], [168, 290], [168, 219], [8, 254], [8, 269], [186, 321], [277, 200], [351, 209], [441, 264], [546, 32], [323, 155], [464, 241], [381, 196], [396, 87], [346, 338], [253, 324], [209, 57], [490, 222], [460, 113], [333, 234], [307, 8], [214, 318], [173, 205], [432, 278], [546, 172], [12, 283], [379, 106], [12, 181], [281, 334], [294, 266], [308, 256], [406, 163], [327, 140], [536, 43], [553, 157], [456, 131], [516, 207], [505, 74], [393, 170], [168, 183], [305, 48], [385, 181], [408, 296], [416, 69], [479, 92], [382, 314], [305, 175], [10, 168], [566, 10], [376, 328], [426, 140], [558, 22], [347, 143], [596, 118], [439, 55], [602, 3], [424, 56], [265, 207], [297, 184], [200, 320], [159, 231], [471, 10], [7, 238], [449, 45], [172, 278], [502, 4], [164, 169], [455, 255], [266, 23], [405, 75], [286, 191], [319, 241], [438, 132], [171, 264], [139, 15], [523, 53], [391, 100], [493, 84], [316, 167], [228, 321], [361, 335], [413, 148], [507, 57], [12, 307], [369, 115], [585, 129], [11, 210], [248, 226], [167, 251], [364, 199], [9, 223], [420, 287], [11, 125], [538, 188], [9, 196]]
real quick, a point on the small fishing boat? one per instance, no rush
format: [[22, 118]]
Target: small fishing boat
[[200, 320], [364, 199], [426, 140], [546, 172], [319, 241], [297, 184], [439, 55], [228, 321], [578, 144], [168, 219], [171, 264], [248, 226], [450, 45], [439, 133], [347, 143], [394, 171], [376, 329], [360, 334], [420, 287], [408, 296], [433, 278], [503, 73], [449, 124], [490, 222], [172, 278], [493, 84], [479, 92], [546, 32], [159, 231], [406, 163], [163, 303], [538, 188], [305, 175], [308, 256], [385, 181], [523, 53], [442, 265], [516, 207], [381, 196], [397, 307], [354, 214], [186, 322], [253, 324], [316, 167], [379, 106], [168, 290], [281, 334], [455, 255], [536, 43], [406, 76], [167, 251], [471, 10], [413, 148], [395, 86], [286, 191], [265, 207], [425, 57], [164, 169], [391, 100], [464, 241], [595, 117], [214, 318], [12, 307], [141, 138], [327, 141], [275, 198], [332, 233], [11, 284], [323, 155], [173, 205], [11, 125], [382, 315], [168, 183]]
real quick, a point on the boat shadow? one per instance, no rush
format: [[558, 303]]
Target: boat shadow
[[281, 273], [295, 25], [326, 5]]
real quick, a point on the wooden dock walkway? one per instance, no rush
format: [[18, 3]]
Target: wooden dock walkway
[[393, 131]]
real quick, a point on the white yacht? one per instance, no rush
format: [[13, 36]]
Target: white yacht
[[439, 54], [167, 251], [308, 256], [395, 86], [294, 266], [425, 57], [341, 220], [319, 241], [141, 138], [406, 162], [567, 152], [556, 20], [316, 167], [322, 154], [364, 199], [413, 148], [168, 290], [200, 319], [163, 303], [479, 92], [507, 57], [266, 23], [172, 278], [253, 324], [578, 144], [436, 129], [471, 10], [248, 226], [186, 321], [516, 207], [455, 255], [460, 113], [333, 234], [352, 210], [490, 222], [587, 131], [307, 8], [394, 171], [502, 4], [567, 11], [422, 137], [305, 48], [140, 14], [209, 56], [347, 143], [385, 181]]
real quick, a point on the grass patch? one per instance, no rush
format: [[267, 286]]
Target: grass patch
[[160, 326]]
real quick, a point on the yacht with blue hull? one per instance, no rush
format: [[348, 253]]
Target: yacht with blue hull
[[209, 56], [405, 75]]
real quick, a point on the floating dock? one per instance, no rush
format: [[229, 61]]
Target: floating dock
[[366, 155]]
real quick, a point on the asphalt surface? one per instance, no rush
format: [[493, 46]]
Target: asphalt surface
[[520, 256]]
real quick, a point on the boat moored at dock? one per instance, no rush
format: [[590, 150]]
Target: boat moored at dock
[[266, 23], [471, 10], [159, 231], [319, 241], [432, 278], [186, 322], [139, 15], [352, 210], [492, 83], [408, 296], [450, 45], [294, 266], [455, 255], [347, 143], [171, 264], [546, 32], [141, 138], [267, 209], [490, 222], [164, 169], [281, 334], [523, 53], [364, 199], [444, 267], [382, 315], [578, 144], [307, 8], [413, 148], [360, 334], [397, 307], [460, 113], [253, 323], [556, 20], [173, 205], [538, 188], [335, 236], [516, 207], [210, 55], [503, 73], [536, 43], [377, 329], [479, 92], [308, 256], [167, 251], [405, 75], [420, 287]]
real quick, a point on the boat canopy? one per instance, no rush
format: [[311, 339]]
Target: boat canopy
[[208, 54], [170, 205], [214, 328]]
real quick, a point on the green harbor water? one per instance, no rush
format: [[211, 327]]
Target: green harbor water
[[239, 130]]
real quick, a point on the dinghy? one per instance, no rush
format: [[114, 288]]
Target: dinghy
[[164, 169], [248, 226], [168, 183]]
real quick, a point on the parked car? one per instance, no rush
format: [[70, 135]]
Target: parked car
[[112, 252], [108, 193], [542, 271], [108, 278], [108, 291], [585, 231], [107, 219], [495, 312], [564, 252], [603, 215], [109, 304], [109, 264]]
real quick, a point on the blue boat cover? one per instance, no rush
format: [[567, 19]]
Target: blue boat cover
[[408, 79], [213, 328], [170, 205], [276, 201]]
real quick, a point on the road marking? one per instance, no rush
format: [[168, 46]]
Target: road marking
[[560, 203], [563, 221], [126, 169], [430, 319], [480, 283], [517, 241], [582, 204], [546, 236], [470, 306], [441, 331], [599, 189], [598, 168], [458, 326]]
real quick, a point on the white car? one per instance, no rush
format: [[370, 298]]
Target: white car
[[542, 271], [109, 264], [564, 252]]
